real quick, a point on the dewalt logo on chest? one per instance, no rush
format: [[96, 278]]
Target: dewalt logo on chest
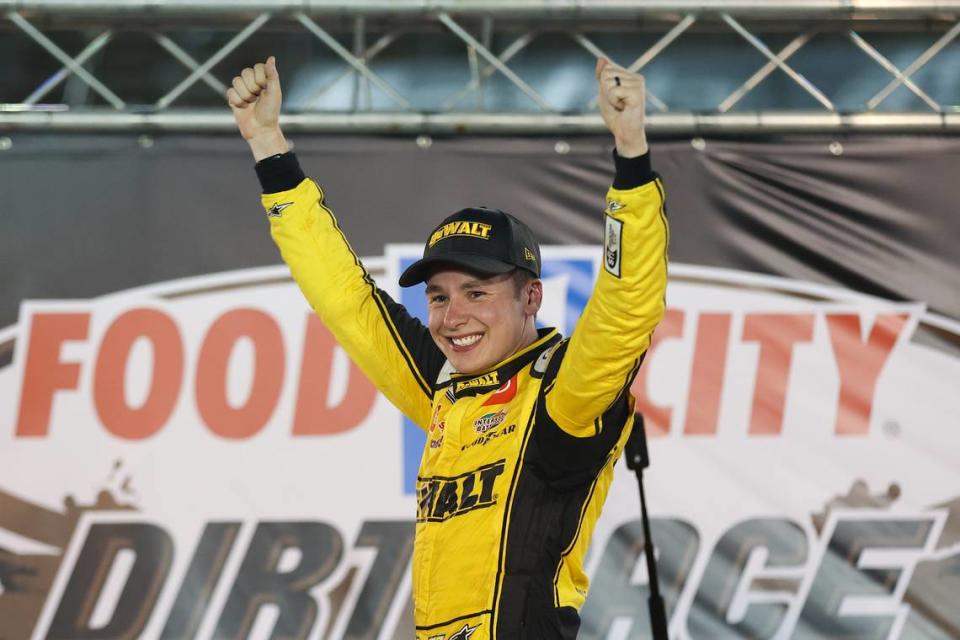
[[440, 498], [488, 380], [461, 228]]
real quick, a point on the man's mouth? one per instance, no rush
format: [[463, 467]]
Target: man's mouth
[[465, 343]]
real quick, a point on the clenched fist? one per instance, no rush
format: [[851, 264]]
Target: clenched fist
[[255, 99], [621, 99]]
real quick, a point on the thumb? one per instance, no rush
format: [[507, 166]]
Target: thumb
[[601, 63], [273, 78]]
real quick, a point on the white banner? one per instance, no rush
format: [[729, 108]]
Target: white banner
[[199, 459]]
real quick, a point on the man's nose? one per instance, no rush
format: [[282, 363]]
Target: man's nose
[[455, 314]]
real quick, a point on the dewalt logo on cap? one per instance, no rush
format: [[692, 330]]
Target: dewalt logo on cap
[[461, 228]]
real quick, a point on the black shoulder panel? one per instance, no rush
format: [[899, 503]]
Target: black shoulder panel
[[416, 338]]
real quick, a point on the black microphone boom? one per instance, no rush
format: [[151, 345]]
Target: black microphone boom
[[638, 459]]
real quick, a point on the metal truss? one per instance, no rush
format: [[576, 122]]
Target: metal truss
[[457, 66]]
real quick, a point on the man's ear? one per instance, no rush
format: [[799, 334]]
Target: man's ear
[[533, 297]]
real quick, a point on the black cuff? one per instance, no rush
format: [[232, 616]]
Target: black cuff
[[632, 172], [280, 172]]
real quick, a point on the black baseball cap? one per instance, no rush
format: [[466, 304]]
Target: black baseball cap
[[479, 239]]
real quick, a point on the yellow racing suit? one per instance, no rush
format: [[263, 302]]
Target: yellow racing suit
[[519, 458]]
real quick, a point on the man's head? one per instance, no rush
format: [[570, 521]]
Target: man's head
[[482, 269]]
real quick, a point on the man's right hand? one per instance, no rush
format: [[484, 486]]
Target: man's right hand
[[255, 99]]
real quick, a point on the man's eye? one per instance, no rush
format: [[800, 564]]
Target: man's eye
[[438, 299], [477, 294]]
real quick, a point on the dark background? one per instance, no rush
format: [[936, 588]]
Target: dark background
[[86, 215]]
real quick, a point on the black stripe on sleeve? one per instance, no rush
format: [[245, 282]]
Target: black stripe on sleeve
[[416, 337]]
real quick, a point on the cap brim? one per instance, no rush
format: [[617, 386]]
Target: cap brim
[[420, 270]]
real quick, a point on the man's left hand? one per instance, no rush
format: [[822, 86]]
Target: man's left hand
[[622, 100]]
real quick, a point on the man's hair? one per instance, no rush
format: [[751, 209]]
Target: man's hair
[[520, 278]]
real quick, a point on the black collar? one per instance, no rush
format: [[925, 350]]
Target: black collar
[[462, 385]]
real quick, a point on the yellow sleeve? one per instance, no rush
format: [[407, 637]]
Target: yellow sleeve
[[392, 348], [627, 302]]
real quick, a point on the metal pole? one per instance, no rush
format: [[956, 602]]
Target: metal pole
[[15, 118], [579, 8]]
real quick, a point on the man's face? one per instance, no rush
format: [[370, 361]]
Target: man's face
[[478, 321]]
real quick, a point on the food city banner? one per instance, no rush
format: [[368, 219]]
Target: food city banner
[[185, 452]]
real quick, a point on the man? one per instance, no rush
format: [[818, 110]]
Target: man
[[523, 427]]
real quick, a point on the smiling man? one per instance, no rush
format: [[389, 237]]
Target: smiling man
[[523, 426]]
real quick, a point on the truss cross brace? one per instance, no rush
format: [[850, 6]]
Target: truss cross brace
[[762, 48], [647, 56], [67, 61], [203, 69], [923, 59], [492, 59]]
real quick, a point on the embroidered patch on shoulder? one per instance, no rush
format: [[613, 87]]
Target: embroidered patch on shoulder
[[612, 246], [276, 210], [540, 366]]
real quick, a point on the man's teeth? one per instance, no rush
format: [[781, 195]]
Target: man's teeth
[[465, 341]]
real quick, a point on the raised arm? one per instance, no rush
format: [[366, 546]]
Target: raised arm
[[392, 348], [613, 333]]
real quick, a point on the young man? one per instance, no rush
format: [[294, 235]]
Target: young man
[[523, 427]]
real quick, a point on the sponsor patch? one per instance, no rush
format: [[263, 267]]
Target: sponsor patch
[[277, 209], [490, 435], [487, 380], [612, 246], [440, 498], [613, 205], [461, 228], [437, 428], [540, 366], [504, 394], [465, 632], [489, 421]]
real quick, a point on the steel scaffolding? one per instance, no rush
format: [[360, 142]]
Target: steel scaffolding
[[452, 66]]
